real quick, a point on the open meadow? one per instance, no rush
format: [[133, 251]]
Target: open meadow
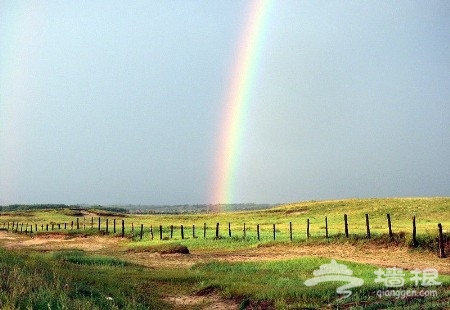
[[278, 258]]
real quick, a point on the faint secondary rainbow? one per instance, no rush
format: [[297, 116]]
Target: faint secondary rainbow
[[237, 101], [19, 32]]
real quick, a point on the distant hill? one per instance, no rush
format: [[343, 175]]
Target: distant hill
[[144, 209]]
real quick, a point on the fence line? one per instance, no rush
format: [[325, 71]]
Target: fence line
[[28, 229]]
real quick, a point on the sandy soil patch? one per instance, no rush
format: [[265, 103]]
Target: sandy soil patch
[[206, 302], [47, 242], [383, 257], [401, 257]]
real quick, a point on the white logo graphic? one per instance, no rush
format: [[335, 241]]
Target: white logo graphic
[[336, 272], [395, 277]]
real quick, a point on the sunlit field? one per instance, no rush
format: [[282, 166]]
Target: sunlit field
[[75, 259]]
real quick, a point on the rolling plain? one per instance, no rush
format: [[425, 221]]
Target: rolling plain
[[82, 258]]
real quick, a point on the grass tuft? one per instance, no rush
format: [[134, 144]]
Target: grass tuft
[[170, 248], [81, 258]]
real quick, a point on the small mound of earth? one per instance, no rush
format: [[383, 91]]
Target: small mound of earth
[[162, 249], [175, 249]]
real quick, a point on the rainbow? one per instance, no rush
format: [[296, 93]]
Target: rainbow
[[237, 100]]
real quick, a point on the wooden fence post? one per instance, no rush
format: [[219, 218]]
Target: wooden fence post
[[391, 235], [414, 232], [78, 223], [257, 230], [171, 231], [182, 232], [204, 230], [160, 232], [107, 225], [307, 228], [346, 225], [142, 230], [290, 231], [441, 242], [193, 231], [99, 223], [367, 226], [217, 230], [326, 227], [229, 229], [114, 226], [151, 231], [123, 228], [274, 232], [92, 222]]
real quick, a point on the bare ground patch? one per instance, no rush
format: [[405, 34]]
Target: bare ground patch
[[47, 242], [211, 301], [400, 257], [383, 256]]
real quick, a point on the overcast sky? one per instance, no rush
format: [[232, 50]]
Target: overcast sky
[[120, 102]]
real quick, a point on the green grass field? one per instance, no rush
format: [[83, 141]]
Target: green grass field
[[117, 276], [428, 212]]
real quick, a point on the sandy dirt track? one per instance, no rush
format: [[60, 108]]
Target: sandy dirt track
[[383, 256]]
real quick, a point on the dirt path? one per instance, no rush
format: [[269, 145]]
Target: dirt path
[[113, 246], [381, 256], [56, 241], [371, 254]]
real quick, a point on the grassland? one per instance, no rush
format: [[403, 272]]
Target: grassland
[[88, 268]]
